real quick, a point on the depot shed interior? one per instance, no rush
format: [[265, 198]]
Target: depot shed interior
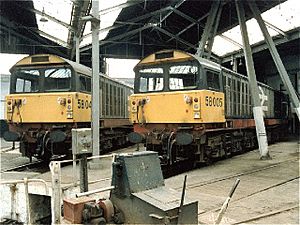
[[135, 29]]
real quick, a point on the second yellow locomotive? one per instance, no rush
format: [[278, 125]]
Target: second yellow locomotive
[[189, 108]]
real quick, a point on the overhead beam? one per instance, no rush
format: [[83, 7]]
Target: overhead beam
[[260, 46], [61, 42], [115, 38], [277, 60], [231, 40], [139, 18], [273, 27], [178, 12], [179, 3], [35, 42], [173, 36], [191, 25], [120, 6], [52, 18]]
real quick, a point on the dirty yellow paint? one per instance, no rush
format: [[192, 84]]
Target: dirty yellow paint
[[178, 107], [62, 107]]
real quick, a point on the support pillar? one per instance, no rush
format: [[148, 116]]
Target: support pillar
[[77, 42], [257, 109], [213, 32], [56, 192], [95, 24], [208, 27], [276, 57]]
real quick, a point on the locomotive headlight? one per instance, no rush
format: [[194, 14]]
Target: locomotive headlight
[[69, 105], [196, 115], [69, 115], [196, 107], [133, 109]]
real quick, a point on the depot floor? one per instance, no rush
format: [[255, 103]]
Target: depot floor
[[268, 192]]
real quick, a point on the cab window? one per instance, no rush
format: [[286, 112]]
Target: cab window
[[57, 79], [27, 80], [151, 79], [183, 77]]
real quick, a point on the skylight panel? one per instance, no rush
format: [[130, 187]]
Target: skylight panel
[[222, 46], [59, 9], [285, 16], [55, 31], [106, 20]]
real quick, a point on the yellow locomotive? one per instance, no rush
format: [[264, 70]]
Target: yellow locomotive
[[50, 95], [189, 108]]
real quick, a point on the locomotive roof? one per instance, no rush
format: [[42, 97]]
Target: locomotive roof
[[168, 55], [46, 59], [178, 56]]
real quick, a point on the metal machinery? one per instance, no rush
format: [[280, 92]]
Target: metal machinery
[[189, 108], [139, 196], [50, 95]]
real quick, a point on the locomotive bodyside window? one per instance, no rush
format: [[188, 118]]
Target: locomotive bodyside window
[[213, 81], [85, 83]]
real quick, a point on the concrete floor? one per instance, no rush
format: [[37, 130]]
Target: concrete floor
[[268, 192]]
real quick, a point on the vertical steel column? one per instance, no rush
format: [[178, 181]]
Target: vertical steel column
[[77, 51], [276, 57], [257, 109], [213, 32], [83, 174], [208, 27], [235, 65], [56, 192], [95, 24]]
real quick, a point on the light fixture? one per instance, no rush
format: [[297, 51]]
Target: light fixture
[[241, 63], [231, 61], [43, 18]]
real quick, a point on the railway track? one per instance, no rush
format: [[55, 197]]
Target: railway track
[[216, 209], [31, 166], [199, 184]]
